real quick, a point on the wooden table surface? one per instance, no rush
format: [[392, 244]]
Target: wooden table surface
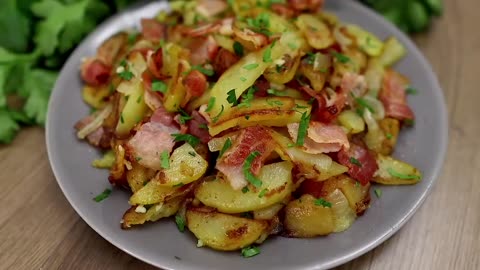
[[40, 230]]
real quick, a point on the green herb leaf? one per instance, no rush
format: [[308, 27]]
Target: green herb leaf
[[267, 55], [341, 57], [184, 117], [102, 196], [364, 104], [323, 202], [190, 139], [226, 146], [132, 38], [245, 190], [247, 169], [250, 251], [215, 119], [159, 86], [179, 185], [250, 66], [262, 193], [248, 97], [207, 72], [275, 92], [274, 102], [411, 91], [389, 136], [355, 161], [394, 173], [302, 129], [180, 221], [232, 98], [243, 79], [211, 103], [378, 192], [165, 160], [238, 48]]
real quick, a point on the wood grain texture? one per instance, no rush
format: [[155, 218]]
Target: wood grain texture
[[40, 230]]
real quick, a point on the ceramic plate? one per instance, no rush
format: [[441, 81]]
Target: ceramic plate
[[162, 245]]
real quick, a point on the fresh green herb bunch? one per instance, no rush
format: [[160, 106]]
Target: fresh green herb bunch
[[408, 15]]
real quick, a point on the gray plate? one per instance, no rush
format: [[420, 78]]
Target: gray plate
[[159, 243]]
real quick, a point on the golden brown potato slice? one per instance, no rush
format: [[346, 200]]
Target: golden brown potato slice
[[221, 231], [391, 128], [96, 97], [343, 214], [186, 166], [304, 218], [395, 172], [276, 185], [358, 196], [138, 215], [138, 176], [316, 32], [154, 192]]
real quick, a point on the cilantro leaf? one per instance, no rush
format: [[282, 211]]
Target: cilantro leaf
[[14, 26], [39, 84], [247, 169]]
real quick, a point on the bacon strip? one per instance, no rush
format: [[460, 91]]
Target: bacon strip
[[95, 73], [203, 50], [250, 139], [366, 167], [153, 30], [152, 139], [393, 96], [321, 138]]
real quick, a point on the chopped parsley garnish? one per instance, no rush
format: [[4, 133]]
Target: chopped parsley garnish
[[364, 104], [206, 71], [248, 97], [132, 38], [299, 107], [232, 97], [203, 126], [311, 101], [262, 193], [274, 102], [215, 119], [245, 190], [250, 66], [159, 86], [126, 75], [138, 158], [341, 57], [102, 196], [355, 161], [247, 215], [323, 202], [250, 251], [238, 48], [357, 184], [184, 117], [267, 55], [165, 160], [139, 99], [389, 136], [310, 58], [394, 173], [226, 146], [211, 103], [302, 129], [121, 118], [378, 192], [247, 117], [260, 23], [180, 221], [179, 185], [190, 139], [409, 122], [252, 179], [280, 68], [193, 154], [243, 79], [276, 92], [411, 91]]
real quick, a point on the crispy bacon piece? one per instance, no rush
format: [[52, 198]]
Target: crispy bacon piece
[[152, 99], [108, 52], [366, 164], [100, 137], [353, 83], [302, 5], [224, 60], [283, 10], [321, 138], [153, 30], [249, 39], [155, 63], [262, 86], [196, 127], [393, 96], [153, 138], [95, 73], [203, 50], [311, 187], [195, 83], [250, 139], [329, 103]]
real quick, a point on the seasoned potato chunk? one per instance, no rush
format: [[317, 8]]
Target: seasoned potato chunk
[[303, 218], [391, 128], [138, 215], [221, 231], [358, 196], [276, 185], [395, 172]]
